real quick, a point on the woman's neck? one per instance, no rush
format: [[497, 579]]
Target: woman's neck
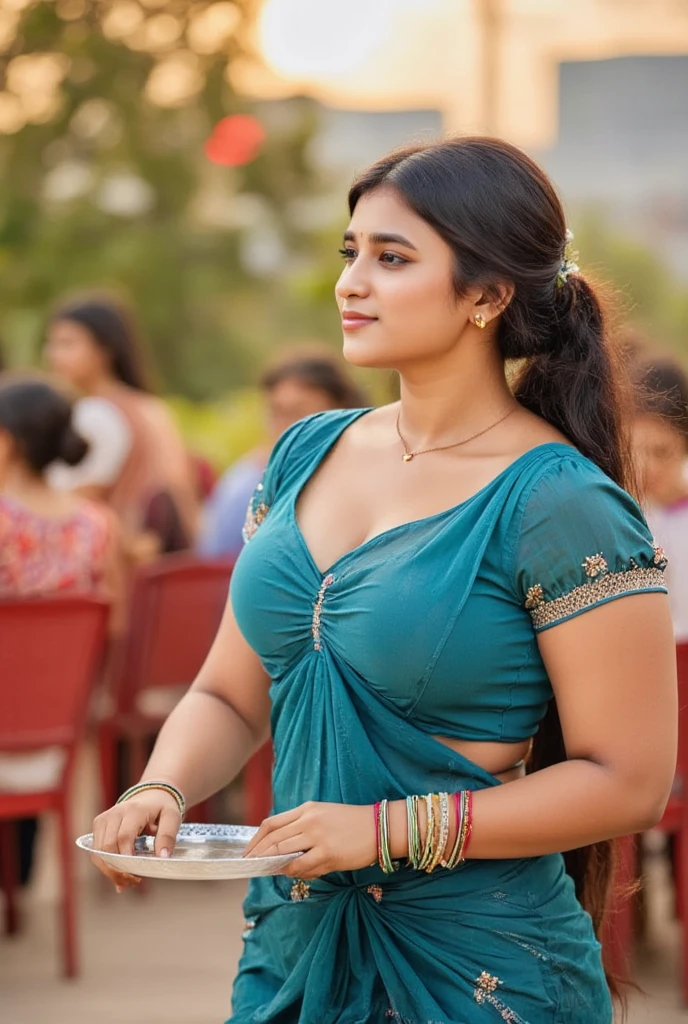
[[30, 489], [440, 403]]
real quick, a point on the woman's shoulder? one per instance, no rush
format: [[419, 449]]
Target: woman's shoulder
[[568, 481], [304, 444]]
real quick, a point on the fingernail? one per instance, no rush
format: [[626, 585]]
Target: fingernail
[[119, 889], [164, 852]]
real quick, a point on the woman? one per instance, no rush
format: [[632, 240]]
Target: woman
[[136, 462], [660, 441], [299, 385], [50, 543], [420, 580]]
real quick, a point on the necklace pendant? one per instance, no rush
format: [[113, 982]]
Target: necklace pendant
[[407, 457]]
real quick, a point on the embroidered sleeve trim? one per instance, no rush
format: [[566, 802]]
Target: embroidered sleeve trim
[[598, 589]]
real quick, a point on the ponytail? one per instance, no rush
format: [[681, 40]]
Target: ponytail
[[576, 382]]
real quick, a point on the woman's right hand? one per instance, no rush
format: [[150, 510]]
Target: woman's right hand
[[153, 812]]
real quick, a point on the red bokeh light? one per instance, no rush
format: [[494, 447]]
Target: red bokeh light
[[235, 140]]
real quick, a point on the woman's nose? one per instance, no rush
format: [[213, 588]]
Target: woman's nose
[[352, 282]]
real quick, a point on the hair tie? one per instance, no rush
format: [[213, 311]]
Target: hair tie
[[568, 264]]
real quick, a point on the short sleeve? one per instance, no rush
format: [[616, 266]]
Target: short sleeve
[[582, 542], [109, 438]]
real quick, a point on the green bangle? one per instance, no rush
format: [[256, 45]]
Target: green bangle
[[167, 787], [385, 856]]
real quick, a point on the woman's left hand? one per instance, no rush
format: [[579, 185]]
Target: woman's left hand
[[333, 837]]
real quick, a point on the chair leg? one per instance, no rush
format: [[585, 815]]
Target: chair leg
[[9, 875], [681, 870], [69, 938], [107, 753]]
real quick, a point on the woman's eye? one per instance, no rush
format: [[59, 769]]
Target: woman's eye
[[347, 255], [392, 259]]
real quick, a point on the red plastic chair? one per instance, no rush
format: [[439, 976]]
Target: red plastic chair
[[620, 934], [51, 651], [675, 820], [175, 611]]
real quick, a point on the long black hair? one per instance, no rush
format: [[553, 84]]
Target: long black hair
[[113, 327], [500, 215], [39, 419]]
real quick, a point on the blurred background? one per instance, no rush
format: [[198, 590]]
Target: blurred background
[[193, 156]]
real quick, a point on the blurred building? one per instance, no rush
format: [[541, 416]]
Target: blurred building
[[623, 145]]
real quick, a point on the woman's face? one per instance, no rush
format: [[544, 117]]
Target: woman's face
[[291, 400], [660, 454], [395, 293], [72, 354]]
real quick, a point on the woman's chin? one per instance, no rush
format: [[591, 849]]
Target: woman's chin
[[358, 352]]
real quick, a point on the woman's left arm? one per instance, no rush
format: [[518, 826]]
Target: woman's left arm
[[613, 671]]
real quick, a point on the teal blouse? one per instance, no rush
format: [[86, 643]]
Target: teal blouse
[[428, 629], [565, 539]]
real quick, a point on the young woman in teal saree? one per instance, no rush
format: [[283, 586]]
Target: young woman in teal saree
[[419, 582]]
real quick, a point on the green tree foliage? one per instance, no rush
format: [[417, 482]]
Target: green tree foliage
[[105, 107]]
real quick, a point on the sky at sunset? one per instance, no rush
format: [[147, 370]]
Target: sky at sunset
[[397, 53]]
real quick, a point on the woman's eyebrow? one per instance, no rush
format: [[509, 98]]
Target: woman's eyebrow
[[382, 238]]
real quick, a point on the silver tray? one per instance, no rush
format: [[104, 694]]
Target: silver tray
[[201, 852]]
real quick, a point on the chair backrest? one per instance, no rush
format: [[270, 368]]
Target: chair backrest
[[176, 608], [682, 670], [51, 650]]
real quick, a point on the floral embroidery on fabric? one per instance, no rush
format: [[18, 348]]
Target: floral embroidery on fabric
[[595, 565], [535, 597], [255, 514], [376, 892], [660, 559], [485, 986], [300, 891], [600, 586]]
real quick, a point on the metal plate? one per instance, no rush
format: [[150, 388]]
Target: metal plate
[[201, 852]]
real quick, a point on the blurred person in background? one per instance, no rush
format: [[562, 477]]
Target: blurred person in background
[[136, 462], [298, 385], [50, 542], [660, 442]]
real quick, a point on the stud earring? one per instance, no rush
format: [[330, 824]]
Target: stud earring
[[479, 321]]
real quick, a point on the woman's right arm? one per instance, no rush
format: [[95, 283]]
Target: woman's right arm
[[213, 731]]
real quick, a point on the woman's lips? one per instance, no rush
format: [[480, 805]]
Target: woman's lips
[[354, 321]]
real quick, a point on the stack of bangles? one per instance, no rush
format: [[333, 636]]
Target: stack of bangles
[[431, 851], [167, 787]]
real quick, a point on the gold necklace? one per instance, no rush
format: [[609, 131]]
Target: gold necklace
[[409, 455]]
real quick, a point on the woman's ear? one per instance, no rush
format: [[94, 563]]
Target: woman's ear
[[489, 306], [7, 448]]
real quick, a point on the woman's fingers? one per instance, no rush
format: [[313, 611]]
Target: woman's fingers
[[168, 826], [310, 865], [267, 846], [271, 825], [118, 878]]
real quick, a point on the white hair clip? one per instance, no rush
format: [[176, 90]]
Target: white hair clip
[[568, 264]]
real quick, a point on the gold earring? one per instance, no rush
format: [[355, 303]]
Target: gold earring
[[479, 321]]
